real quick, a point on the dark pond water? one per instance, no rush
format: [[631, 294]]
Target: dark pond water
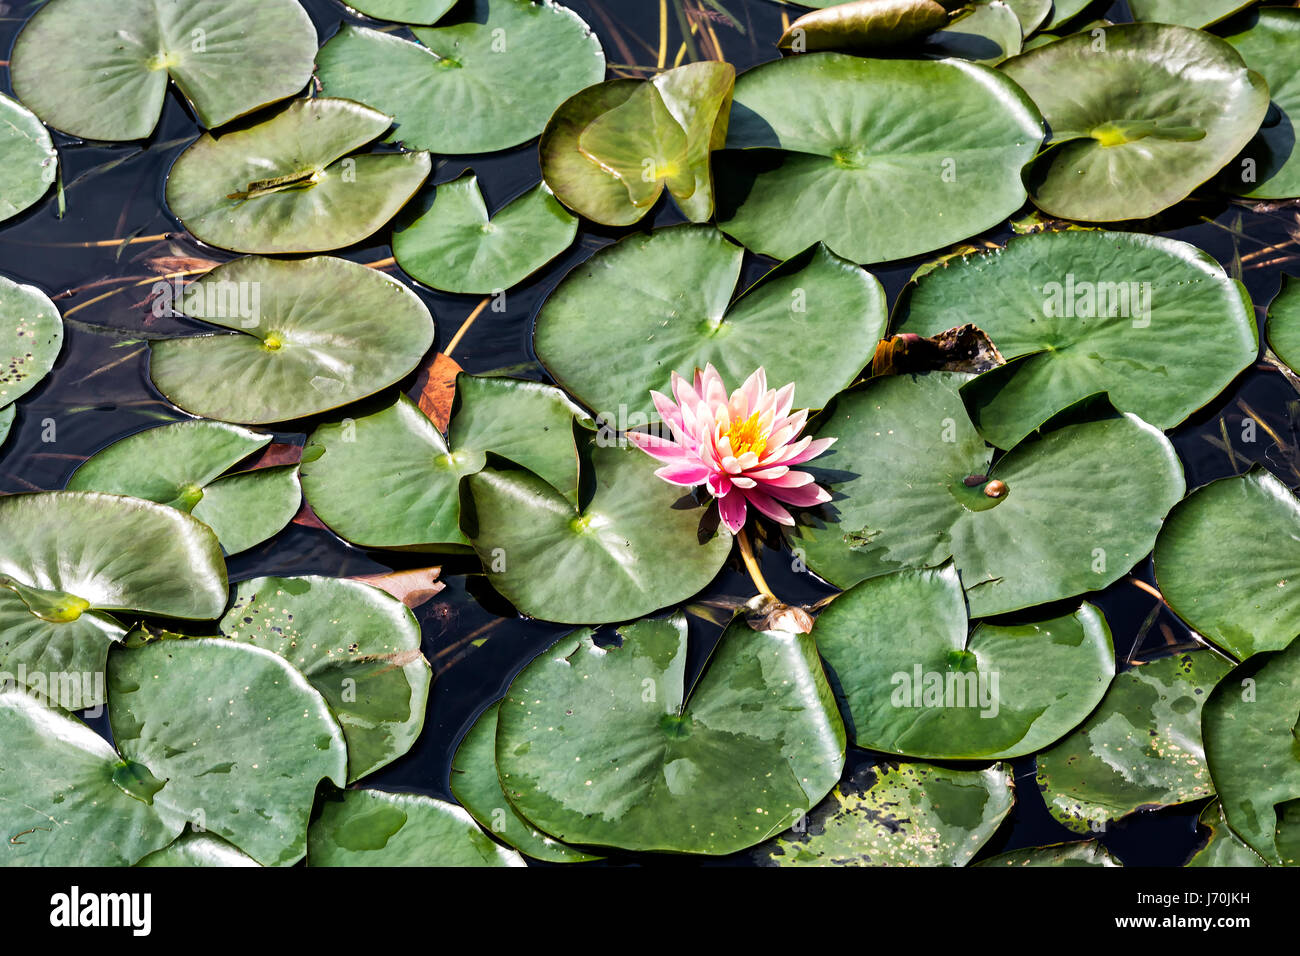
[[97, 261]]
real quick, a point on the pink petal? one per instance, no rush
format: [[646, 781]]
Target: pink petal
[[719, 485], [683, 473], [804, 497], [815, 448], [768, 507], [731, 508], [791, 479]]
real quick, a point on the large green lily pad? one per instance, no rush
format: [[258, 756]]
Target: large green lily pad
[[1222, 847], [482, 81], [323, 333], [1269, 41], [357, 645], [289, 185], [1283, 329], [475, 783], [31, 335], [1140, 749], [390, 479], [915, 685], [374, 828], [456, 247], [1250, 732], [182, 464], [1188, 13], [637, 545], [240, 737], [28, 160], [100, 71], [1155, 323], [911, 814], [404, 11], [611, 150], [1228, 563], [196, 849], [1140, 115], [1086, 853], [606, 746], [1083, 500], [906, 156], [665, 304], [66, 797], [67, 558]]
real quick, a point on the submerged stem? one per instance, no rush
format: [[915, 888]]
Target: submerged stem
[[751, 565]]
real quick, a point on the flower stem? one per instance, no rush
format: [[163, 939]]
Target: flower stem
[[751, 565]]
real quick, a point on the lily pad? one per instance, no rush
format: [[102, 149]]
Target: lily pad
[[1222, 847], [647, 764], [665, 302], [100, 71], [1188, 13], [479, 82], [1086, 853], [988, 34], [610, 150], [456, 247], [1249, 725], [1140, 749], [873, 25], [1155, 323], [6, 421], [28, 160], [1032, 14], [390, 479], [308, 336], [404, 11], [1065, 10], [475, 783], [31, 335], [66, 795], [240, 737], [1077, 505], [637, 545], [374, 828], [290, 185], [893, 167], [915, 685], [181, 465], [1268, 42], [911, 814], [1283, 330], [193, 849], [1229, 582], [69, 559], [359, 647], [1140, 114]]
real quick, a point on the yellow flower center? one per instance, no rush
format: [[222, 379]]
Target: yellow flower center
[[747, 436]]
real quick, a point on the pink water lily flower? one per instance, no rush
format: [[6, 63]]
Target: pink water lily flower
[[743, 447]]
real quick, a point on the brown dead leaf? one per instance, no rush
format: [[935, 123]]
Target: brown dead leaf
[[413, 587], [277, 453], [964, 349], [437, 384], [166, 265]]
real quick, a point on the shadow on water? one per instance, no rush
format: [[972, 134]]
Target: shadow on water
[[100, 390]]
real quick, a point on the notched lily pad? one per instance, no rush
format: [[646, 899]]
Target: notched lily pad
[[197, 849], [651, 765], [1269, 41], [456, 247], [909, 814], [374, 828], [293, 183], [308, 336], [482, 80], [100, 71], [665, 302]]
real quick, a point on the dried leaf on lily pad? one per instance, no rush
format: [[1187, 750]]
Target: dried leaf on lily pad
[[306, 336], [185, 465], [863, 25], [907, 814], [294, 183], [484, 78], [28, 160], [966, 348], [358, 646], [100, 70], [1141, 749], [436, 389], [610, 151], [65, 570], [375, 828], [652, 764], [414, 587]]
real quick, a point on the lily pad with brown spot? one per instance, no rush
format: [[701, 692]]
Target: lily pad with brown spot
[[31, 335]]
